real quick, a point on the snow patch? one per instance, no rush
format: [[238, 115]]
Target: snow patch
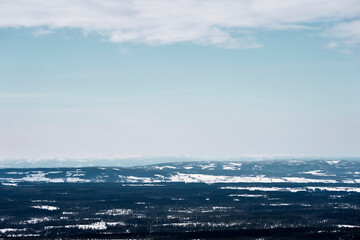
[[5, 230], [333, 162], [94, 226], [212, 165], [46, 207], [347, 226], [115, 212], [162, 167], [316, 173], [209, 179], [248, 195], [10, 184], [37, 220]]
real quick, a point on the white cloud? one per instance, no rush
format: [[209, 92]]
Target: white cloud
[[41, 32], [224, 23], [331, 45], [347, 52], [347, 32]]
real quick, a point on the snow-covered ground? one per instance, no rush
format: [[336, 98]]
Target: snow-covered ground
[[301, 189], [46, 207]]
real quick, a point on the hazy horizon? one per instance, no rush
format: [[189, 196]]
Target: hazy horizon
[[153, 160]]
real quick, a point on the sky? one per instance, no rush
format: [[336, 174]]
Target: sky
[[200, 78]]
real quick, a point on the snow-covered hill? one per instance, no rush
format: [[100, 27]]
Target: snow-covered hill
[[290, 171]]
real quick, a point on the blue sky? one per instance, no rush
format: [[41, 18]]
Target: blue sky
[[70, 87]]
